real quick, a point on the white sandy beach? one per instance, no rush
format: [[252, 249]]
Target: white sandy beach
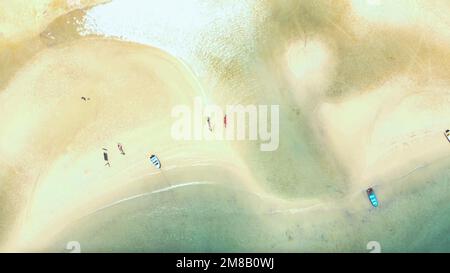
[[386, 121]]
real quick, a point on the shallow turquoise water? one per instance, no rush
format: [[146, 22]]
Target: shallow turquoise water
[[211, 218], [196, 218]]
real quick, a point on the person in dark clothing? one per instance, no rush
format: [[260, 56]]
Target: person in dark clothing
[[105, 157], [209, 124]]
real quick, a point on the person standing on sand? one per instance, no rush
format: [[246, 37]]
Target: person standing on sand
[[225, 121], [120, 147], [105, 157], [209, 124]]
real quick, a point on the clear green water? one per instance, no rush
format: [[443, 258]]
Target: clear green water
[[211, 218], [196, 218]]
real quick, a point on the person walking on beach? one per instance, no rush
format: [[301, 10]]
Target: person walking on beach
[[225, 121], [105, 157], [120, 147], [209, 124]]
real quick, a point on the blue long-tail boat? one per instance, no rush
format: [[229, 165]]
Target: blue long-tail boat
[[372, 197]]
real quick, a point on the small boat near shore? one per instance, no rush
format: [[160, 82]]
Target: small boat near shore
[[372, 197], [155, 161]]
